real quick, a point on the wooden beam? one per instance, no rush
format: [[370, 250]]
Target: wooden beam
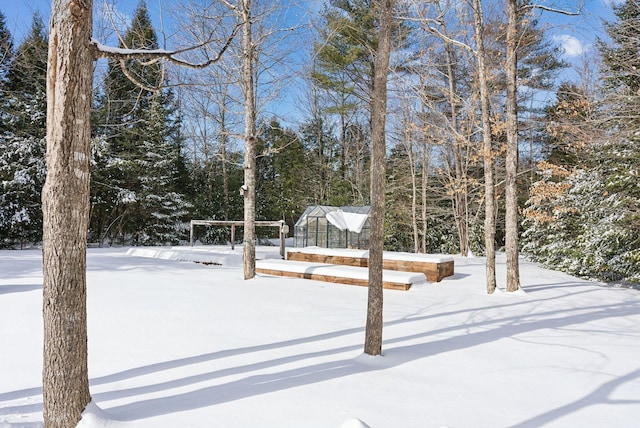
[[434, 271], [283, 229]]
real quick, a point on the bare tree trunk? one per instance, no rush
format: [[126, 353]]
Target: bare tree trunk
[[224, 137], [409, 146], [373, 336], [489, 190], [249, 248], [426, 162], [225, 174], [511, 192], [65, 205], [414, 202], [460, 207]]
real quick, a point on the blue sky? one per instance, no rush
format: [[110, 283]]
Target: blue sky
[[18, 13], [575, 33]]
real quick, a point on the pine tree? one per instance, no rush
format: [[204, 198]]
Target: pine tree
[[26, 84], [373, 329], [6, 57], [162, 203], [139, 182], [320, 144], [621, 64], [345, 53], [22, 141], [344, 72], [282, 175]]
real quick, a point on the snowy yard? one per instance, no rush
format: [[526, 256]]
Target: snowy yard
[[180, 344]]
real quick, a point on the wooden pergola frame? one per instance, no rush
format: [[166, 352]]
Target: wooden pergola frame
[[280, 224]]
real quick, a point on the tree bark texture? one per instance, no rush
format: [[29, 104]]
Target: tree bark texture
[[249, 247], [489, 189], [65, 205], [511, 192], [373, 335]]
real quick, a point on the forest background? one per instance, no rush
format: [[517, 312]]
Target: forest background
[[167, 141]]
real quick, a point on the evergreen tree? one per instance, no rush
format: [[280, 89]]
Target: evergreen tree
[[162, 203], [22, 137], [207, 190], [6, 57], [621, 64], [22, 174], [140, 176], [345, 53], [282, 175], [586, 221], [582, 215], [344, 71], [26, 84], [320, 144]]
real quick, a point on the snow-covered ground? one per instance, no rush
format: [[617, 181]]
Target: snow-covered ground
[[181, 344]]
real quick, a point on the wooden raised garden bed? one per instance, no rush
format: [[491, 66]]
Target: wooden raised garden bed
[[435, 267], [342, 274]]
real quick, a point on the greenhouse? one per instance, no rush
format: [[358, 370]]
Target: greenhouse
[[333, 227]]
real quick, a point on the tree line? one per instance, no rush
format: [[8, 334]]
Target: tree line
[[166, 145]]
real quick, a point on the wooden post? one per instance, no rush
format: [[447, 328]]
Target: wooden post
[[317, 230], [191, 234], [327, 235], [233, 236], [283, 232]]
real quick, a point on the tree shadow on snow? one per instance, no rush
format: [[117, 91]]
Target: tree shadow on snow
[[19, 288], [600, 395], [469, 334]]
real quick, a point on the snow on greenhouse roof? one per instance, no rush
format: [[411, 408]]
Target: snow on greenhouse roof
[[323, 210]]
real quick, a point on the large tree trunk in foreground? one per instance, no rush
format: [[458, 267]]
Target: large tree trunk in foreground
[[511, 191], [65, 205], [373, 336], [489, 193]]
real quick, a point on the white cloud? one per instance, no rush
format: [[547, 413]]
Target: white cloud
[[570, 45]]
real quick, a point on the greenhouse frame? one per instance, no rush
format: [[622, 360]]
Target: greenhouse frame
[[334, 227]]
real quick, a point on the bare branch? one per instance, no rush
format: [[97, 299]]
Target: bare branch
[[120, 54], [550, 9], [448, 39], [123, 67], [229, 5], [436, 32]]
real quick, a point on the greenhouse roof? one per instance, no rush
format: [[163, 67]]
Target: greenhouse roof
[[323, 210]]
